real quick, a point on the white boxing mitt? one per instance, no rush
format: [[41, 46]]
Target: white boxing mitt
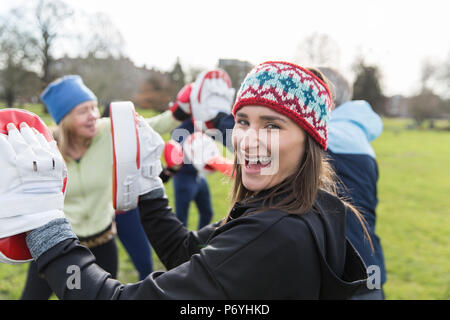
[[211, 94], [32, 184], [137, 150]]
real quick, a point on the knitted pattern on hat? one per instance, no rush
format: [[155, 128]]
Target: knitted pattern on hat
[[290, 90]]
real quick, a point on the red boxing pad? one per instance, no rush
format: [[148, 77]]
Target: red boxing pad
[[17, 116], [173, 154], [14, 249]]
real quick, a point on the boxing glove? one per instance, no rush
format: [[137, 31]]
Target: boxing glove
[[181, 108], [173, 156]]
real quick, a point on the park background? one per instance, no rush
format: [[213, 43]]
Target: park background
[[41, 40]]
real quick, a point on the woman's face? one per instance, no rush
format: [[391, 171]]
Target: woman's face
[[269, 146], [84, 119]]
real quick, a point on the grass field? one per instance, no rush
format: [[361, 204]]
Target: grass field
[[413, 214], [414, 210]]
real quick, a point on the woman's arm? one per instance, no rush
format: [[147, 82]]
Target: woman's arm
[[164, 122], [71, 272], [173, 243], [247, 258]]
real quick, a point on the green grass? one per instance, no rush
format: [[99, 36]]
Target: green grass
[[414, 211], [413, 214]]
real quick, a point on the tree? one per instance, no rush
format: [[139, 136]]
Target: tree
[[42, 22], [441, 81], [193, 72], [156, 92], [367, 85], [177, 77], [318, 49], [428, 74], [435, 75], [17, 54], [425, 106], [236, 69], [101, 38], [109, 78], [443, 76], [50, 16]]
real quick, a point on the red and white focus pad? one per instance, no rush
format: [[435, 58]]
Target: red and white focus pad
[[126, 157], [211, 94], [173, 154], [13, 249]]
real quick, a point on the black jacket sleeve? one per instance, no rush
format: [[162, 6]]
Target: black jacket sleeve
[[252, 257], [190, 280], [173, 243]]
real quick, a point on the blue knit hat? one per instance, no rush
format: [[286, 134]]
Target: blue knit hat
[[64, 94]]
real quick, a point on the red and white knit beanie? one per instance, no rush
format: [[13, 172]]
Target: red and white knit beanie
[[292, 91]]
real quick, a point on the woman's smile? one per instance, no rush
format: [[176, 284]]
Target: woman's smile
[[253, 165], [269, 146]]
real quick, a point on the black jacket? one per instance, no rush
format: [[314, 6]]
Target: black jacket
[[265, 255]]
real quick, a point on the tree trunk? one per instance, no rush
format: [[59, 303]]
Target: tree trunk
[[10, 98]]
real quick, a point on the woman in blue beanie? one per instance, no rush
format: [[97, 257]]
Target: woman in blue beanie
[[84, 140]]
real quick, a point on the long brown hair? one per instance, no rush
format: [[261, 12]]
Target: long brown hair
[[314, 172]]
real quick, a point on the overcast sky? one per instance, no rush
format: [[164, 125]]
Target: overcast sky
[[397, 35]]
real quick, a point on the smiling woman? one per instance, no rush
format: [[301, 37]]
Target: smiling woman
[[77, 129], [281, 122], [284, 237], [265, 139]]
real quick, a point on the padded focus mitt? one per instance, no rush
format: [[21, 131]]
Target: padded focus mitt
[[126, 156], [32, 184], [211, 94], [137, 151]]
